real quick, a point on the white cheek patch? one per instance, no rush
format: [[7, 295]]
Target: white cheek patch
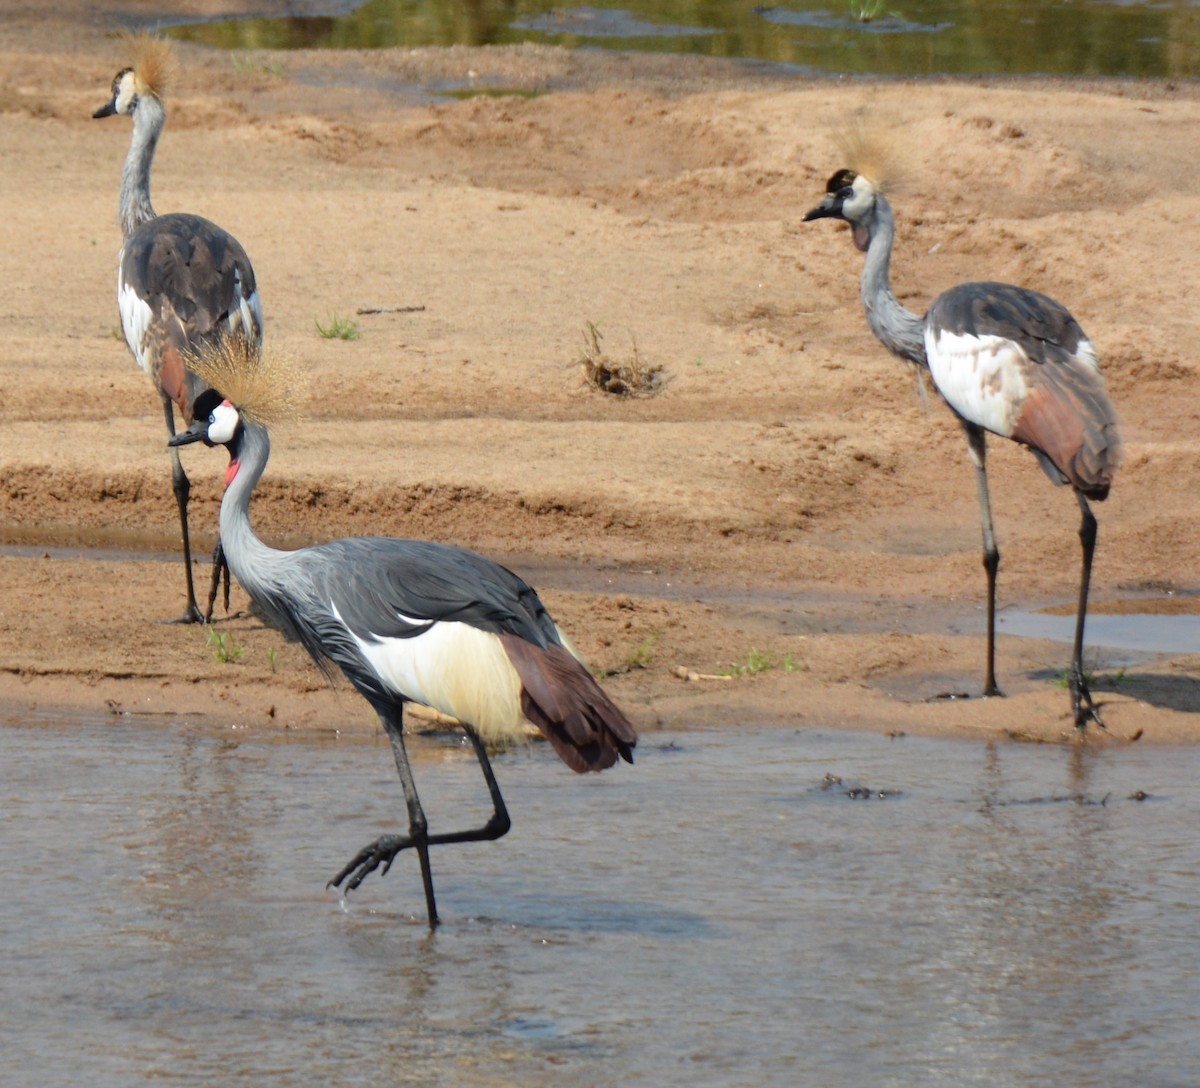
[[127, 95], [222, 424], [136, 316], [861, 202], [981, 377]]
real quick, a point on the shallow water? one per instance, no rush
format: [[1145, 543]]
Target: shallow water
[[910, 37], [1142, 633], [723, 913]]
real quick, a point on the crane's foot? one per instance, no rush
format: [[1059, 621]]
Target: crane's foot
[[219, 582], [382, 851], [1083, 704], [191, 614]]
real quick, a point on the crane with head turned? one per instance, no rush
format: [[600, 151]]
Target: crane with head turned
[[1008, 361], [182, 281], [403, 620]]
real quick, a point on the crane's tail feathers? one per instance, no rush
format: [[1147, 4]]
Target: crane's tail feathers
[[1070, 422], [558, 694]]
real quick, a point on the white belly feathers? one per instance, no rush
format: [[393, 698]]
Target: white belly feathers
[[454, 668], [983, 378]]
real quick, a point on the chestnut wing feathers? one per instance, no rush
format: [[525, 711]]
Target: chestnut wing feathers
[[587, 729], [1066, 416]]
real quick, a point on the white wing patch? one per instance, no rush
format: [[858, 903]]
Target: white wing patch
[[1085, 352], [136, 316], [981, 377], [454, 668], [247, 315]]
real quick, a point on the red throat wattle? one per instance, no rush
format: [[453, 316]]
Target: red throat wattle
[[232, 470], [862, 237]]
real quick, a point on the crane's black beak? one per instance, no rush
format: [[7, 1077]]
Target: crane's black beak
[[197, 432], [107, 110], [829, 208]]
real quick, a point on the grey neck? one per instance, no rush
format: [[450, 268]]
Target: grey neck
[[249, 558], [148, 120], [901, 331]]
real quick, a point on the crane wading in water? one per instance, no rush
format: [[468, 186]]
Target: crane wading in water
[[1006, 360], [181, 280], [404, 620]]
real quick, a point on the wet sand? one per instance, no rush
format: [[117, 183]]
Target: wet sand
[[785, 500]]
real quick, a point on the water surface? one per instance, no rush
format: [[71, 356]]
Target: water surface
[[773, 908], [909, 37]]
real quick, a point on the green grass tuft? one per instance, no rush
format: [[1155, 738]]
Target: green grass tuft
[[337, 328], [222, 646]]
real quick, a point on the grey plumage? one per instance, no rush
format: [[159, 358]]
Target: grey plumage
[[1009, 361], [411, 620]]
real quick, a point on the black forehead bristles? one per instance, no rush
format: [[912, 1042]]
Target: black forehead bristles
[[841, 180]]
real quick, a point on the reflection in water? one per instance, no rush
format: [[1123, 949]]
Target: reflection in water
[[1032, 941], [1000, 914], [920, 37]]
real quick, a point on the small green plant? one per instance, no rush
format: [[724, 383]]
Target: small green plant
[[337, 328], [222, 646], [637, 658], [248, 66], [273, 659], [866, 11], [759, 661], [1091, 678], [642, 654]]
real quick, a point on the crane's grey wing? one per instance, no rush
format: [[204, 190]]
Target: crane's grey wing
[[182, 280], [1043, 326], [456, 631], [1018, 364], [397, 588], [346, 596]]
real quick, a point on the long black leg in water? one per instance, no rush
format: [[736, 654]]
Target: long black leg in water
[[384, 850]]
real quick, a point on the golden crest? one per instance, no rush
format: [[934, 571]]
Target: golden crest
[[154, 63], [265, 387]]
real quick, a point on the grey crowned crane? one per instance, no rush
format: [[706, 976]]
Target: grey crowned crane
[[404, 620], [1008, 361], [181, 280]]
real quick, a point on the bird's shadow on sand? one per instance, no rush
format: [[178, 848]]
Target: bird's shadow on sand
[[1167, 692]]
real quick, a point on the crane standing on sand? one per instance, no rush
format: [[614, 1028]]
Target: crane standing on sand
[[404, 620], [181, 280], [1006, 360]]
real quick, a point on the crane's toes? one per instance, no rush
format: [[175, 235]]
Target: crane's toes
[[190, 615], [1084, 705], [382, 851]]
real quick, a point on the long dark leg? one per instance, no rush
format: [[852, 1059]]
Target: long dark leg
[[384, 850], [182, 488], [220, 569], [1081, 698], [976, 443]]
